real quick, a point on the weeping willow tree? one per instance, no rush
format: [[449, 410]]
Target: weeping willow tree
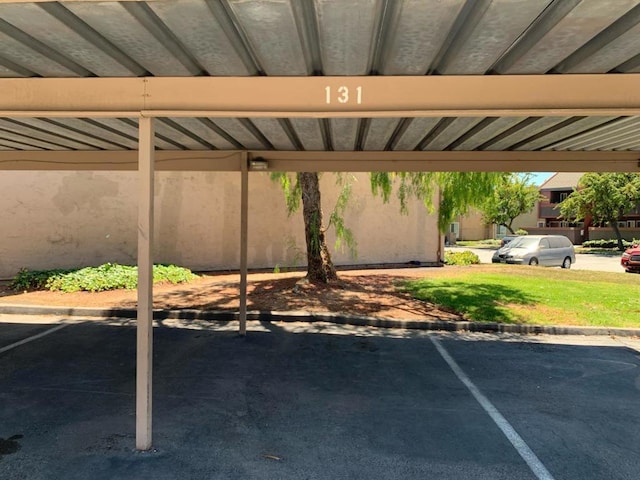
[[449, 193], [304, 187], [456, 193]]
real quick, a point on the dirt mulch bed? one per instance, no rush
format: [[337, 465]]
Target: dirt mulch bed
[[363, 292]]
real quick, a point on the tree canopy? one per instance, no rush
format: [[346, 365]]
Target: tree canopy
[[451, 193], [603, 198], [514, 195]]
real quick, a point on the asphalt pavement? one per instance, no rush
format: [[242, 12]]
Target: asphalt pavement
[[593, 262], [300, 401]]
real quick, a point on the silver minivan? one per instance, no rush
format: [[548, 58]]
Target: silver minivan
[[547, 250]]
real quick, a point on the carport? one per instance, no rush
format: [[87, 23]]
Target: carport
[[313, 85]]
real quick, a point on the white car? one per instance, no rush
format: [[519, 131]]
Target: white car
[[547, 250]]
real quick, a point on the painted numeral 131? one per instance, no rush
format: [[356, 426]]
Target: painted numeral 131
[[341, 95]]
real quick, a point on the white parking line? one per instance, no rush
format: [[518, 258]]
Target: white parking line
[[536, 466], [32, 338]]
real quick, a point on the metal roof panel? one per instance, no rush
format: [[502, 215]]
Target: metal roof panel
[[379, 133], [613, 54], [316, 37], [121, 28], [24, 55], [343, 133], [238, 131], [415, 132], [488, 37], [203, 35], [203, 131], [580, 126], [598, 136], [270, 26], [491, 131], [275, 133], [44, 27], [535, 127], [346, 31], [420, 30], [309, 132], [566, 31]]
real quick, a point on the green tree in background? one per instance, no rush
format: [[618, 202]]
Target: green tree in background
[[604, 198], [514, 195]]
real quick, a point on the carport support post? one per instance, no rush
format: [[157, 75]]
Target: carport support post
[[244, 243], [144, 346]]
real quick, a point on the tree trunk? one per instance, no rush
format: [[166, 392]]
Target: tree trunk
[[508, 227], [616, 230], [319, 265]]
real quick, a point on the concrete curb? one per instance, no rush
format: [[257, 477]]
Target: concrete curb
[[340, 319]]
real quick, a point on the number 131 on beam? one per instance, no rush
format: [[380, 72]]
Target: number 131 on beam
[[343, 95]]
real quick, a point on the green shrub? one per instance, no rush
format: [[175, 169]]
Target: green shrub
[[608, 243], [461, 258], [521, 231], [110, 276], [34, 280]]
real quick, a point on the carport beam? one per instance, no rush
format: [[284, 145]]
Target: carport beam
[[144, 346], [244, 228]]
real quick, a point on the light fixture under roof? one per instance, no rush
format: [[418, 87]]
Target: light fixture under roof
[[258, 164]]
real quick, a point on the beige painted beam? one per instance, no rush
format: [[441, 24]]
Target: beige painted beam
[[244, 244], [123, 97], [144, 345], [367, 96], [217, 160], [206, 161], [469, 165], [66, 1], [511, 161]]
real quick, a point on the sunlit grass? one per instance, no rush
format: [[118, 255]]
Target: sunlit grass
[[540, 296]]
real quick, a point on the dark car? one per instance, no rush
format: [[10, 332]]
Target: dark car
[[506, 239], [630, 260]]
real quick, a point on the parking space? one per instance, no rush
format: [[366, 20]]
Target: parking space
[[15, 331], [318, 401]]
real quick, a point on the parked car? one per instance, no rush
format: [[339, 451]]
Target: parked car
[[630, 260], [506, 239], [547, 250]]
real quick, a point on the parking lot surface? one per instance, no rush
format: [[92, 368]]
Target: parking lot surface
[[593, 262], [300, 401]]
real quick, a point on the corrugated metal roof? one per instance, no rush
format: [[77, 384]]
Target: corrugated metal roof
[[322, 37]]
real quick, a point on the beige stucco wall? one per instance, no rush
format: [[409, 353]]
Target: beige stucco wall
[[527, 220], [71, 219], [472, 226]]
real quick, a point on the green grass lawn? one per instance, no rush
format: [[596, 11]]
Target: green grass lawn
[[490, 243], [536, 296]]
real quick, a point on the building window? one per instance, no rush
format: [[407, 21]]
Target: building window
[[557, 197]]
